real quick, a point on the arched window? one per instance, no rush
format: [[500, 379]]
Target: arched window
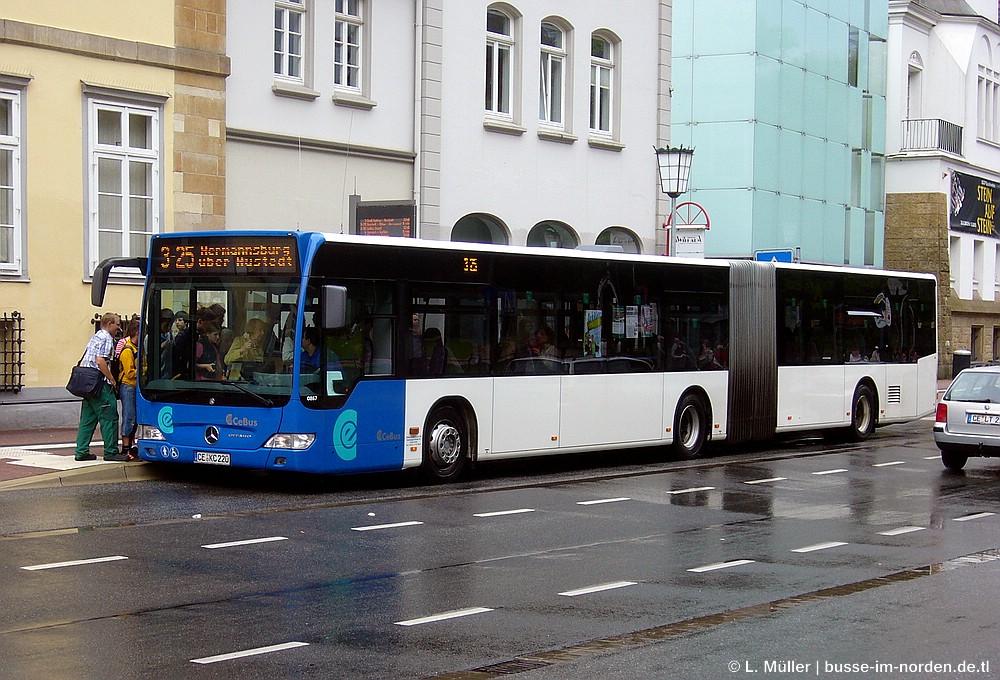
[[987, 94], [620, 236], [552, 234], [499, 61], [602, 84], [552, 74], [480, 228], [915, 69]]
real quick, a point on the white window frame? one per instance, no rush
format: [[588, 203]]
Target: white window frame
[[553, 64], [602, 95], [348, 73], [12, 143], [500, 73], [988, 104], [285, 56], [99, 152]]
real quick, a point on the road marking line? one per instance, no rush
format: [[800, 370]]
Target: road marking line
[[599, 588], [373, 527], [978, 515], [444, 616], [691, 490], [520, 511], [895, 462], [720, 565], [765, 481], [212, 546], [900, 530], [819, 546], [249, 652], [836, 471], [931, 457], [603, 500], [74, 563]]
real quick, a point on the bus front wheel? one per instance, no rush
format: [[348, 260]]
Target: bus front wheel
[[446, 445], [690, 427], [862, 414]]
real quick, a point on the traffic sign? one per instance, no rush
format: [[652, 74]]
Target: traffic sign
[[783, 255]]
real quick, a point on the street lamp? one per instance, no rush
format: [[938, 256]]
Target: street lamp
[[674, 164]]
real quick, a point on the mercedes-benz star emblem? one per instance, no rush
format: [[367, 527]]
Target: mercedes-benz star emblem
[[212, 434]]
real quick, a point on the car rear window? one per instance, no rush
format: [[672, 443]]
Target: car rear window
[[984, 387]]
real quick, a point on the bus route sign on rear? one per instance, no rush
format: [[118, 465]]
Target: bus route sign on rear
[[783, 255]]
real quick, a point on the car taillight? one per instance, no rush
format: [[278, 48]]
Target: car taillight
[[942, 413]]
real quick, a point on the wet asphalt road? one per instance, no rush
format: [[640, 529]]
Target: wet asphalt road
[[783, 561]]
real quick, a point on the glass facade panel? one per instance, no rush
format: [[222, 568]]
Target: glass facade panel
[[766, 157], [817, 57], [768, 106], [737, 71], [793, 33], [814, 162], [728, 36], [814, 104], [792, 94]]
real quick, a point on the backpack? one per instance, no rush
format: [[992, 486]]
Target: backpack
[[116, 363]]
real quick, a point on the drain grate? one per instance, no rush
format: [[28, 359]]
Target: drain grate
[[648, 636]]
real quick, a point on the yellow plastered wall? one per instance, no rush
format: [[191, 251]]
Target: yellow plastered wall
[[55, 299], [150, 21]]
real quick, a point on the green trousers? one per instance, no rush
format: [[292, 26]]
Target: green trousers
[[101, 409]]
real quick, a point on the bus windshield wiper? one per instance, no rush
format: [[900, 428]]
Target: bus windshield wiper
[[262, 399]]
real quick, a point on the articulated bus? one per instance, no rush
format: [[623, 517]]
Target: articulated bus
[[379, 354]]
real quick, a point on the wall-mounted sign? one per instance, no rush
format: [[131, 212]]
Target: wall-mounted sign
[[973, 205], [383, 218]]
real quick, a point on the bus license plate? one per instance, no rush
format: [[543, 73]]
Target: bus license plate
[[982, 419], [211, 458]]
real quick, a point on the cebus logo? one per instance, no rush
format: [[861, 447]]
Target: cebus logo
[[345, 435]]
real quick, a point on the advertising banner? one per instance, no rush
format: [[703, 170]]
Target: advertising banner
[[973, 210]]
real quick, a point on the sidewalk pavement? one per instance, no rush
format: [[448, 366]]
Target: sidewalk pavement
[[35, 459]]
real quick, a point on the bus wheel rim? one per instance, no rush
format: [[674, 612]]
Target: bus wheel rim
[[689, 426], [445, 443], [862, 415]]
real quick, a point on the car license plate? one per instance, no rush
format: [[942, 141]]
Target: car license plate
[[211, 458], [982, 419]]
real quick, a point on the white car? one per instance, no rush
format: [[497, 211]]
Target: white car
[[967, 422]]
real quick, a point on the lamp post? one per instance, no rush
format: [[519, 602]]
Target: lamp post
[[674, 165]]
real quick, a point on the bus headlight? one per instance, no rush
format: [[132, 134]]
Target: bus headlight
[[296, 442], [149, 432]]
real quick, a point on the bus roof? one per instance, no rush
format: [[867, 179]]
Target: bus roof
[[460, 246]]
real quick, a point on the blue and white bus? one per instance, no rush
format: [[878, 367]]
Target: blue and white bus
[[439, 355]]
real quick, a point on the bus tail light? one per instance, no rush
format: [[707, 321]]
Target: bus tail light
[[296, 442]]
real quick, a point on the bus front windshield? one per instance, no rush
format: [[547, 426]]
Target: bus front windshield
[[220, 340]]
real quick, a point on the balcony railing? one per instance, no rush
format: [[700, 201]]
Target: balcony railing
[[932, 134]]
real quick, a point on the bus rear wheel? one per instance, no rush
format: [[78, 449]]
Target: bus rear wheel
[[446, 445], [863, 411], [690, 427]]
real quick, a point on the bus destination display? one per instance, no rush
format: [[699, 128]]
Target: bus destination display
[[233, 255]]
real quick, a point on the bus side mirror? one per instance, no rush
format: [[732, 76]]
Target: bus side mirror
[[99, 282], [334, 305]]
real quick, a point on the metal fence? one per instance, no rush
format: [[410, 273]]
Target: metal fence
[[11, 352]]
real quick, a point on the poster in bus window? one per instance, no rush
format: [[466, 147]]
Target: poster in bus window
[[592, 333], [647, 320], [632, 322], [618, 321]]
